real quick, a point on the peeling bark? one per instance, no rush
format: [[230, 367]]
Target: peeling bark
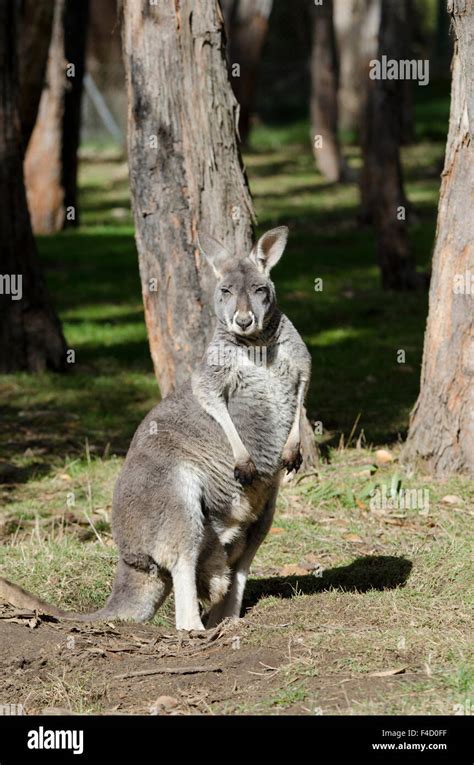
[[441, 431]]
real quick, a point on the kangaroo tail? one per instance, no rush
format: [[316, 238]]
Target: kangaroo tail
[[17, 596], [136, 595]]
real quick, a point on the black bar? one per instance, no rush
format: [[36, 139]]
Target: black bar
[[445, 739]]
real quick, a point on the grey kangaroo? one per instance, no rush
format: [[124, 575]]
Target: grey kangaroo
[[196, 494]]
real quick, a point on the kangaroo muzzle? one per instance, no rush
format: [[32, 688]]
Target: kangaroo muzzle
[[243, 322]]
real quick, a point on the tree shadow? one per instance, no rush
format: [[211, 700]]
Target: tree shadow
[[11, 475], [313, 188], [372, 572], [101, 405]]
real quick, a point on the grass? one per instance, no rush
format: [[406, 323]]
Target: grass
[[397, 588], [361, 590]]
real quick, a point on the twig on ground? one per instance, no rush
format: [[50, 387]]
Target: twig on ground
[[168, 671]]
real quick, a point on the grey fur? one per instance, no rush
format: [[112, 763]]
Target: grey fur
[[196, 494]]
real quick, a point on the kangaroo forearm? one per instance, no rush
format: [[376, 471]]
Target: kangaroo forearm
[[294, 434], [214, 404]]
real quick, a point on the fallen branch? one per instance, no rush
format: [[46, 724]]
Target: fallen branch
[[168, 671]]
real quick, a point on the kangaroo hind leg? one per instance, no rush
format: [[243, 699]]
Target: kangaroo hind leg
[[136, 595], [188, 542]]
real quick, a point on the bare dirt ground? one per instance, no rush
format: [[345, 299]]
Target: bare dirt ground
[[243, 667]]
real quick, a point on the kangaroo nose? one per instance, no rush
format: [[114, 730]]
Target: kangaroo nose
[[244, 322]]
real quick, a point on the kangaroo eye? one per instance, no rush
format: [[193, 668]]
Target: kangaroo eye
[[261, 290], [225, 291]]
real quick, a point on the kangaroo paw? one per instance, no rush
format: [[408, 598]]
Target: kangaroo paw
[[245, 472], [292, 459]]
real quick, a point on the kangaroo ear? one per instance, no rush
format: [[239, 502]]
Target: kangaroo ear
[[214, 252], [268, 250]]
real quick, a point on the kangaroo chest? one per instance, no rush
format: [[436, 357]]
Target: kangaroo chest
[[262, 397]]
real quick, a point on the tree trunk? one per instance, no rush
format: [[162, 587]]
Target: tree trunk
[[185, 172], [382, 192], [30, 333], [43, 157], [35, 35], [349, 26], [368, 45], [76, 18], [246, 23], [369, 51], [324, 94], [442, 423], [407, 116], [356, 24], [51, 159]]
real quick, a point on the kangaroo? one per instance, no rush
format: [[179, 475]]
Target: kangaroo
[[196, 494]]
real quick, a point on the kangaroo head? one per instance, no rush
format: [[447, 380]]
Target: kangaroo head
[[245, 298]]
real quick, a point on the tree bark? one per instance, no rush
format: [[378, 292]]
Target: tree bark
[[186, 172], [51, 159], [382, 191], [441, 431], [30, 333], [246, 23], [36, 25], [324, 94]]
